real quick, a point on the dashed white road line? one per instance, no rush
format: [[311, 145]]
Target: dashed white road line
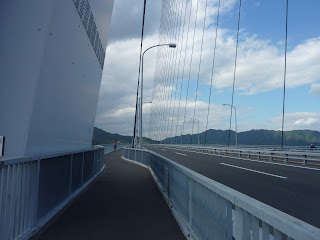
[[181, 154], [163, 150], [251, 170]]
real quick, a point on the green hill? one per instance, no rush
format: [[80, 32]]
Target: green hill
[[102, 137], [253, 137]]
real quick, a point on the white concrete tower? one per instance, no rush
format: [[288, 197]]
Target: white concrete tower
[[51, 61]]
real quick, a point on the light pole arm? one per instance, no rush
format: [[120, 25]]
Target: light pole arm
[[166, 44]]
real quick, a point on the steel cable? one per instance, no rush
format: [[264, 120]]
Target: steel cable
[[184, 64], [194, 33], [135, 117], [285, 73], [212, 70], [234, 72], [199, 69]]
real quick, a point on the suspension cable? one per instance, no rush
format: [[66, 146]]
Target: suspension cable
[[285, 73], [184, 64], [234, 72], [175, 97], [194, 33], [212, 69], [195, 100], [135, 116]]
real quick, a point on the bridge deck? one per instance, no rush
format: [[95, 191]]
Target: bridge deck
[[124, 203]]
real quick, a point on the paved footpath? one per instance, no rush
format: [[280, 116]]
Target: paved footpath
[[123, 203]]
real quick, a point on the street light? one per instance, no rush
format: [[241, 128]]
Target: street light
[[181, 132], [138, 114], [171, 45], [198, 130], [235, 110]]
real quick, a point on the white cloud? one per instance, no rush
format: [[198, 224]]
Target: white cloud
[[315, 89], [161, 126], [299, 121], [117, 98], [260, 65], [260, 68], [127, 19]]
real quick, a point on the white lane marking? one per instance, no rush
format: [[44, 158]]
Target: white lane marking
[[251, 170], [163, 150], [181, 154], [252, 160]]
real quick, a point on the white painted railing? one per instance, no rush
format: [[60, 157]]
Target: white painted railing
[[304, 157], [206, 209], [34, 189]]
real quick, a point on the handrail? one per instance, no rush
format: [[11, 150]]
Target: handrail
[[206, 209], [24, 159], [34, 189]]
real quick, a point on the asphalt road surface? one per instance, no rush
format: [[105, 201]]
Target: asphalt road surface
[[294, 190]]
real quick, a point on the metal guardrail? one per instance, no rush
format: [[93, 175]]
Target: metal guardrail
[[34, 189], [206, 209], [270, 147], [271, 155], [306, 149]]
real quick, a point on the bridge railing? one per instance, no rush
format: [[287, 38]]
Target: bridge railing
[[268, 147], [34, 189], [206, 209], [285, 155]]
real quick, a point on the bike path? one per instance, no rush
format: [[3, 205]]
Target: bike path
[[123, 203]]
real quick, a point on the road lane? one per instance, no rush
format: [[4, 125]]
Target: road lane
[[297, 195]]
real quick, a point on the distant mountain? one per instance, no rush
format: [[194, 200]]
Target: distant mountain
[[103, 137], [253, 137]]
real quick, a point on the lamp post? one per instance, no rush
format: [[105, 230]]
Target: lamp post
[[137, 128], [180, 132], [171, 45], [235, 111], [149, 119], [198, 129]]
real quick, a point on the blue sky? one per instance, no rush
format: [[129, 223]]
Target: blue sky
[[266, 20], [259, 76]]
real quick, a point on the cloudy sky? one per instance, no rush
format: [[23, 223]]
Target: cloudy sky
[[260, 66]]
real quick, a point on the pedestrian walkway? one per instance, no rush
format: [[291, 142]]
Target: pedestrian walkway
[[123, 203]]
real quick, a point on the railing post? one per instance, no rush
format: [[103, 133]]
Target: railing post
[[271, 157], [70, 181], [142, 160], [168, 183], [94, 163], [37, 192], [305, 160], [190, 203], [82, 169]]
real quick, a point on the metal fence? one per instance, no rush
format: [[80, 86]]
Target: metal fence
[[285, 155], [33, 190], [265, 147], [206, 209]]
